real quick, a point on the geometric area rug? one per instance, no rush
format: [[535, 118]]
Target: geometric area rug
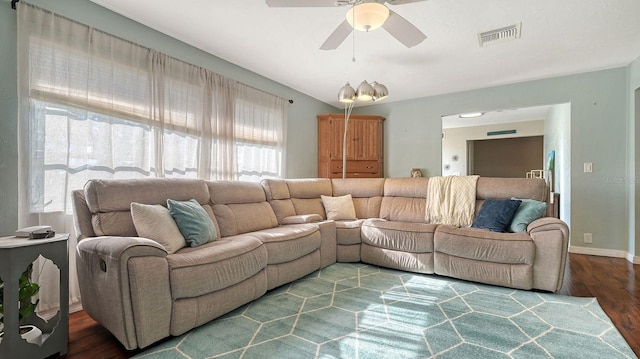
[[353, 310]]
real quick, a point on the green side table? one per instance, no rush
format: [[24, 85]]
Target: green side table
[[15, 255]]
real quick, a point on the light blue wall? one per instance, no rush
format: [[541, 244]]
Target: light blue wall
[[8, 125], [598, 134], [557, 137], [634, 157], [302, 139]]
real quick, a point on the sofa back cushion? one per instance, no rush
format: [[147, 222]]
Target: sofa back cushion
[[240, 207], [277, 193], [109, 201], [305, 195], [294, 197], [404, 199], [366, 193], [505, 188]]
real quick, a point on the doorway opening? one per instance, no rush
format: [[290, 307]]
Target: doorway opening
[[505, 157]]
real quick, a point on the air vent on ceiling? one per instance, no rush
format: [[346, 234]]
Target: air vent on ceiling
[[499, 35]]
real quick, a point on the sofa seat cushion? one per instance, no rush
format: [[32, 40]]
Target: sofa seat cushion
[[290, 242], [215, 265], [348, 232], [483, 245], [400, 236]]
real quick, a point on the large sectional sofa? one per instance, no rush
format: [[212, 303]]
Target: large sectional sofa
[[274, 232]]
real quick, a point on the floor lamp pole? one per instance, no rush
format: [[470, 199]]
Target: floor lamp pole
[[347, 113]]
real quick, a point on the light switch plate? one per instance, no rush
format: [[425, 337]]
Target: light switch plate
[[588, 167]]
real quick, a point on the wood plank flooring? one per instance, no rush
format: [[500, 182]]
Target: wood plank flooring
[[614, 281]]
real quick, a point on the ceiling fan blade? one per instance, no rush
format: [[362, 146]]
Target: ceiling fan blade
[[403, 30], [301, 3], [337, 37], [402, 2]]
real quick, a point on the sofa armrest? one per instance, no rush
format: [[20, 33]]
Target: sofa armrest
[[116, 247], [302, 218], [114, 273], [547, 224], [328, 245], [551, 238]]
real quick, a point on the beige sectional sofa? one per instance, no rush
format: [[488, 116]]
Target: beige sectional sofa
[[272, 233]]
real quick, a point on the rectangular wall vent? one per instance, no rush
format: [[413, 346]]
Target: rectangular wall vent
[[499, 35], [505, 132]]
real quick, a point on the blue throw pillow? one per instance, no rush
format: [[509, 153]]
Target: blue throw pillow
[[192, 221], [496, 214], [529, 211]]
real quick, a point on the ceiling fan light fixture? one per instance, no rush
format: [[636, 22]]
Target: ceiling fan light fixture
[[365, 91], [347, 94], [367, 16], [380, 91]]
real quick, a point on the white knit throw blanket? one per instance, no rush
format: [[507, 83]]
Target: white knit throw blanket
[[451, 200]]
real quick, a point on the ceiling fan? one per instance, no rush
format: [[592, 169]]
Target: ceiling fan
[[364, 15]]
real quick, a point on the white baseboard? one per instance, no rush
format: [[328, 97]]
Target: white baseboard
[[75, 307], [633, 259], [605, 253]]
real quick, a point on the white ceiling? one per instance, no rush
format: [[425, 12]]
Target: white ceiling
[[559, 37]]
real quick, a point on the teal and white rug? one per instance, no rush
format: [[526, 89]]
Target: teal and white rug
[[362, 311]]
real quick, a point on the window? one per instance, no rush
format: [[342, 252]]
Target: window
[[102, 107], [260, 137]]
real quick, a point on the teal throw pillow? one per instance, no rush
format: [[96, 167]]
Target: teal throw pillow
[[529, 211], [496, 214], [192, 221]]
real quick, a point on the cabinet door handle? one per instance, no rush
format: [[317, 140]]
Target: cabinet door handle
[[369, 166]]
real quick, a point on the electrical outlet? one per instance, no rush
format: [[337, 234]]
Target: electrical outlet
[[588, 167], [588, 238]]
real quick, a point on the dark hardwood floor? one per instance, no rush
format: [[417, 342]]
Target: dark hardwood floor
[[613, 281]]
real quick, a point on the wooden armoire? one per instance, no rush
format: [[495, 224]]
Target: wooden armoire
[[364, 146]]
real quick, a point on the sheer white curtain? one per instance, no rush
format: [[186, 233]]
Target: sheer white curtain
[[96, 106], [260, 134]]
